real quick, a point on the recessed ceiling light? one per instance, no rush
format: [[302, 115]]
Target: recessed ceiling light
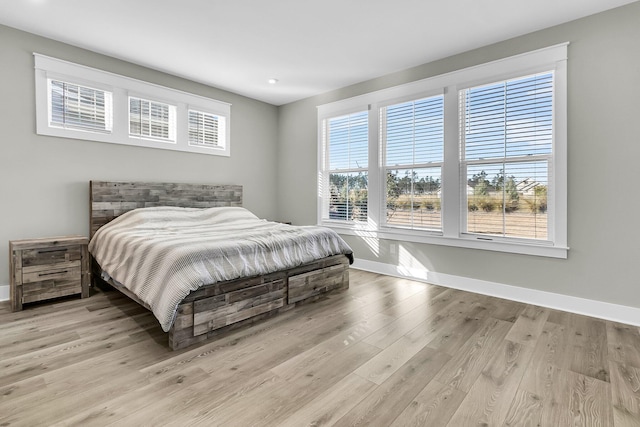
[[272, 81]]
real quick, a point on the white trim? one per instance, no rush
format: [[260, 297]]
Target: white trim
[[587, 307], [4, 292], [470, 242], [121, 88], [529, 62], [560, 164]]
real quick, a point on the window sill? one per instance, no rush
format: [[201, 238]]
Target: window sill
[[543, 250]]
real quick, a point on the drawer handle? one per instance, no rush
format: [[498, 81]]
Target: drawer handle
[[52, 272], [46, 251]]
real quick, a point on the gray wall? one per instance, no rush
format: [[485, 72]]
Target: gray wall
[[603, 173], [44, 181]]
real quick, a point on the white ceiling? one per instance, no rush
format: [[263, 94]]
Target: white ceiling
[[311, 47]]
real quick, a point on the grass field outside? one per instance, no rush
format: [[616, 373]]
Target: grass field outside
[[525, 219]]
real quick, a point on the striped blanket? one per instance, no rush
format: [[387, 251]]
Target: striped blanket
[[162, 254]]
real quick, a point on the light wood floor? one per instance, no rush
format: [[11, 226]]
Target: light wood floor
[[387, 352]]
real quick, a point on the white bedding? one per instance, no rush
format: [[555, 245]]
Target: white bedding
[[162, 254]]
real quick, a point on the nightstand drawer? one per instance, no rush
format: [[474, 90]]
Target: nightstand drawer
[[43, 269], [52, 288], [48, 256], [59, 271]]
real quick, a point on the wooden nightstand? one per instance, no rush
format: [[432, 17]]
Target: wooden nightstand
[[42, 269]]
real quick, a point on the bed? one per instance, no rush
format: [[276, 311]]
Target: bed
[[213, 306]]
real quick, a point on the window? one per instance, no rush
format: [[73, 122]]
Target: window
[[507, 136], [78, 107], [475, 158], [151, 119], [78, 102], [347, 143], [413, 140], [204, 129]]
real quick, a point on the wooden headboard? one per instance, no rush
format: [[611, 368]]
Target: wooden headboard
[[108, 200]]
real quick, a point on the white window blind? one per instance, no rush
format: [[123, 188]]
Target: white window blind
[[347, 145], [151, 119], [506, 157], [79, 107], [413, 140], [204, 129]]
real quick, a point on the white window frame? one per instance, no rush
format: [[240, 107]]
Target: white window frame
[[121, 87], [553, 58], [325, 166], [222, 129], [172, 122], [465, 164], [384, 225], [108, 109]]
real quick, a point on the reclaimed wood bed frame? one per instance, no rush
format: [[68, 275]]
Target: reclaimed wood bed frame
[[216, 308]]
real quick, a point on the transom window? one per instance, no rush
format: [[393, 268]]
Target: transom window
[[78, 102], [204, 129], [79, 107], [151, 119]]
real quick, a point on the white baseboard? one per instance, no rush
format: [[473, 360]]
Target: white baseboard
[[587, 307]]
